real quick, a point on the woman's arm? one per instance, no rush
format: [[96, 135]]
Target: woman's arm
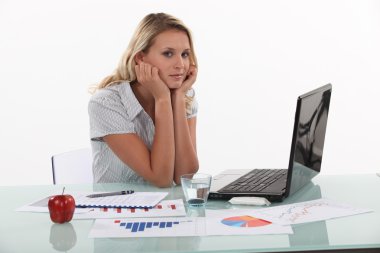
[[186, 160], [157, 165]]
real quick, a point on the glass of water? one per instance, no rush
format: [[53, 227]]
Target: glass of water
[[196, 188]]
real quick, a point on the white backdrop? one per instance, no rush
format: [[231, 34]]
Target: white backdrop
[[254, 56]]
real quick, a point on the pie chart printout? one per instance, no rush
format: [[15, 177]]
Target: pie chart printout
[[245, 221]]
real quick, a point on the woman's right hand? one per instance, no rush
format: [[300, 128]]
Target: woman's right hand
[[147, 75]]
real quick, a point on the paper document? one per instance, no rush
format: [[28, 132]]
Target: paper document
[[309, 211], [239, 222], [134, 200], [148, 199], [41, 206], [226, 224], [165, 208]]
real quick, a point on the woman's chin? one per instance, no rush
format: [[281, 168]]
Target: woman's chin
[[174, 85]]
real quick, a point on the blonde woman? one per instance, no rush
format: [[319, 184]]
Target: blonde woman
[[143, 116]]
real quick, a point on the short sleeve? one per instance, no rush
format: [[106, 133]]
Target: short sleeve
[[108, 116], [193, 110]]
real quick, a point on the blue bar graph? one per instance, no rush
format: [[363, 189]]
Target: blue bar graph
[[135, 226], [142, 226]]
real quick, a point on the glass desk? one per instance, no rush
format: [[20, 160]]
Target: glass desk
[[34, 232]]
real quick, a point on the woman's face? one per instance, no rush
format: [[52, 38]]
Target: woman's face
[[170, 53]]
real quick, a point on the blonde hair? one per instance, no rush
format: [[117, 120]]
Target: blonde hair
[[152, 25]]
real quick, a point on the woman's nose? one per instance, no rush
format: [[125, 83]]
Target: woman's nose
[[179, 62]]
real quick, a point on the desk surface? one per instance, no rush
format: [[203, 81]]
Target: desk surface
[[34, 232]]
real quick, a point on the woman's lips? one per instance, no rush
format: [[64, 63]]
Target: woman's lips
[[177, 76]]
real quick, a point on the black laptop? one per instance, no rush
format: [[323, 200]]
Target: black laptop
[[305, 156]]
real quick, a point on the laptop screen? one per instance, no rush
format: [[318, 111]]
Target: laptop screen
[[308, 137]]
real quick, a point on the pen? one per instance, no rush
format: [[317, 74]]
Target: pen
[[97, 195]]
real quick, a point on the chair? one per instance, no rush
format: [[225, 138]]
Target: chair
[[73, 167]]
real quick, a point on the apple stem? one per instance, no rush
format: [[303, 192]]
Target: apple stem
[[63, 190]]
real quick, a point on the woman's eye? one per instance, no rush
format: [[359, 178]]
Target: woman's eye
[[168, 54], [185, 54]]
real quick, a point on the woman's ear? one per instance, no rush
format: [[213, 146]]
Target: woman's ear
[[139, 57]]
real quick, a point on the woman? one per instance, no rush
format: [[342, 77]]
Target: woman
[[143, 116]]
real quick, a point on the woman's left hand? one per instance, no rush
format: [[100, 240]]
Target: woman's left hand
[[189, 81]]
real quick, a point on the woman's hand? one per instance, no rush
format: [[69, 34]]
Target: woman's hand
[[147, 75], [189, 81]]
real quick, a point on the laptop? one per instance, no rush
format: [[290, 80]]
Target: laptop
[[305, 156]]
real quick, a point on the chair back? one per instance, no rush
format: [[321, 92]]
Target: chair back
[[73, 167]]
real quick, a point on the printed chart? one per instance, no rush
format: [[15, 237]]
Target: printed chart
[[240, 222], [184, 226], [245, 221], [146, 227], [141, 226], [136, 199], [309, 211], [165, 208]]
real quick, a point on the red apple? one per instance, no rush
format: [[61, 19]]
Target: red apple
[[61, 208]]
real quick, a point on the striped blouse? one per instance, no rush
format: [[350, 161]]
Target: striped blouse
[[115, 110]]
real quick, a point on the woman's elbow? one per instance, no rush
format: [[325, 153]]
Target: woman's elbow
[[192, 169], [196, 167]]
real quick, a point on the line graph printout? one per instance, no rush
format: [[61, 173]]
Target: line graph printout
[[309, 211], [137, 199], [165, 208]]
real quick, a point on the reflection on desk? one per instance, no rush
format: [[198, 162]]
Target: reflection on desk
[[34, 232], [302, 235], [62, 236]]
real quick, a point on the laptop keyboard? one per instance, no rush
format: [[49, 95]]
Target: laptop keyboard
[[255, 181]]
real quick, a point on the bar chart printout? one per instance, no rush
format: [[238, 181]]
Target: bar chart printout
[[184, 226], [146, 227], [141, 226]]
